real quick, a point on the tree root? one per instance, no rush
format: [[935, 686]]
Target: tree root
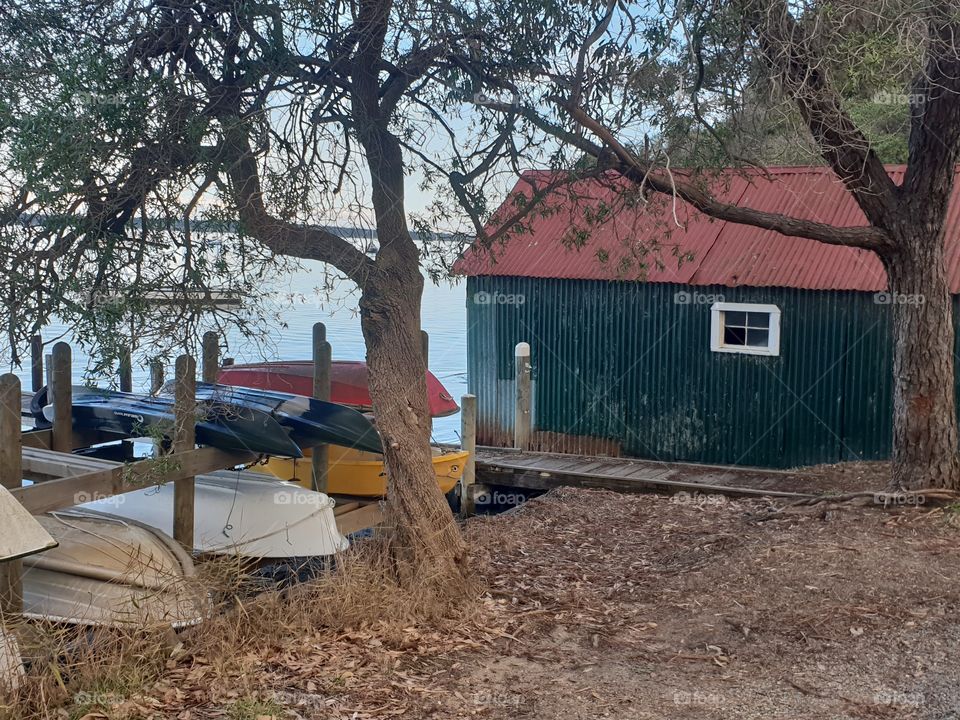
[[884, 500]]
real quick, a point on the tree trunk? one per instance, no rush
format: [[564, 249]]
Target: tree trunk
[[924, 415], [426, 543], [425, 540]]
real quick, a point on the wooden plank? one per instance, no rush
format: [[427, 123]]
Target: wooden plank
[[468, 440], [37, 439], [210, 360], [36, 363], [61, 381], [368, 516], [340, 509], [531, 479], [11, 477], [126, 370], [184, 439], [322, 360], [56, 494], [52, 464]]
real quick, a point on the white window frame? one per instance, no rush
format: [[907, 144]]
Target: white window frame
[[716, 328]]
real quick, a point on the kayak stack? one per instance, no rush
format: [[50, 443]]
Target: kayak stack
[[351, 469], [262, 422]]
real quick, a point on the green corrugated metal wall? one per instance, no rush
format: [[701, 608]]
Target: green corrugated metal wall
[[621, 366]]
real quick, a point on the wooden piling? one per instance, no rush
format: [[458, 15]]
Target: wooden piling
[[468, 441], [11, 476], [184, 439], [61, 387], [522, 410], [156, 375], [322, 359], [211, 357], [126, 371], [36, 363]]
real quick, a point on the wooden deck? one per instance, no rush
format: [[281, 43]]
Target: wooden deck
[[543, 471]]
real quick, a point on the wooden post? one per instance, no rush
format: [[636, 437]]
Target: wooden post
[[521, 418], [36, 363], [468, 441], [184, 438], [322, 358], [11, 476], [156, 376], [126, 371], [61, 385], [211, 357]]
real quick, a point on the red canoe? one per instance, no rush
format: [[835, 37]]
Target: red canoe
[[348, 382]]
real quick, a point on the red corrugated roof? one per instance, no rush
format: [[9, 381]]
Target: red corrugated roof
[[667, 241]]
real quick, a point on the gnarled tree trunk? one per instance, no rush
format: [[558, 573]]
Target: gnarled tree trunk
[[425, 540], [924, 402]]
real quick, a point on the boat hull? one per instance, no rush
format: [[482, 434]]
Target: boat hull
[[348, 383], [111, 572], [239, 514], [308, 421], [358, 473]]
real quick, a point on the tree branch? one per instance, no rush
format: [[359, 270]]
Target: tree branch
[[284, 238], [789, 52], [866, 237]]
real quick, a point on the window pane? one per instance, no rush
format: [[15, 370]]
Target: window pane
[[734, 336], [758, 338], [758, 320], [733, 317]]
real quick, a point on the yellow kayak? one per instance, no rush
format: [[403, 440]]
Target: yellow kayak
[[355, 472]]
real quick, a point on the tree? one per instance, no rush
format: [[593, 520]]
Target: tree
[[612, 82], [121, 117]]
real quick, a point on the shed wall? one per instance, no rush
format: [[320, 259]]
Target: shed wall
[[626, 368]]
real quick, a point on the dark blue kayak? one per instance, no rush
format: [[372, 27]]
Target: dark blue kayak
[[309, 421], [226, 427]]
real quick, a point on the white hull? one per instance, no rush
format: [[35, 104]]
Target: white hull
[[112, 572], [236, 514]]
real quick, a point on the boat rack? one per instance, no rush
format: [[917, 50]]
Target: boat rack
[[61, 479]]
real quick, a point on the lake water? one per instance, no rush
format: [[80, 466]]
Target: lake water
[[443, 317]]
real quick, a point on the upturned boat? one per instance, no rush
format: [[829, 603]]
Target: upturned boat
[[355, 472], [348, 383]]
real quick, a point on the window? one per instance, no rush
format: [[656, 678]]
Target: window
[[745, 328]]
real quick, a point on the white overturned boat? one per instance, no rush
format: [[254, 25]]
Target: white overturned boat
[[238, 513], [107, 571]]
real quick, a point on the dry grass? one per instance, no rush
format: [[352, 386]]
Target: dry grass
[[135, 672]]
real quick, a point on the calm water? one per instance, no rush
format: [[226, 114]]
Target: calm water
[[444, 318]]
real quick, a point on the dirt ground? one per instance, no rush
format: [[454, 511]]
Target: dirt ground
[[639, 606]]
